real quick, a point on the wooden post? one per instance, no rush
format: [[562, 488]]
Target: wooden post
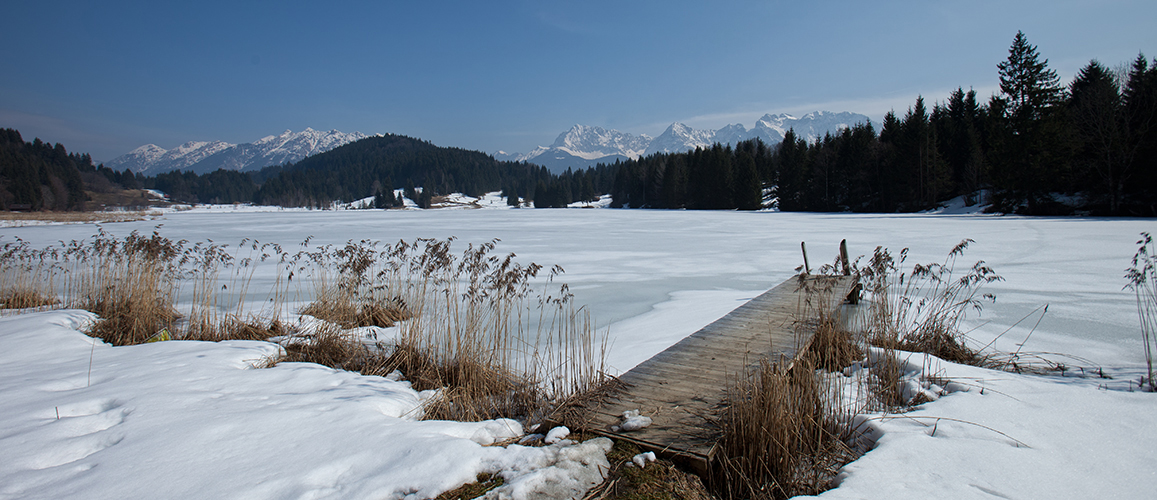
[[844, 257], [806, 268]]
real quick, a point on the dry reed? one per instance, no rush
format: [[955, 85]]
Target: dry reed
[[921, 310], [1142, 278], [783, 427], [781, 434], [495, 337], [17, 219]]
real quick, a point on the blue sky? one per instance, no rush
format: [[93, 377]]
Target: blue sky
[[106, 77]]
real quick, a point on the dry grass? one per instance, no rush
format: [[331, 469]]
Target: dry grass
[[27, 276], [17, 219], [129, 283], [781, 437], [921, 310], [470, 491], [783, 426], [657, 480], [23, 299], [1142, 278]]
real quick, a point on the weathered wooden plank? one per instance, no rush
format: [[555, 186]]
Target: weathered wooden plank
[[679, 387]]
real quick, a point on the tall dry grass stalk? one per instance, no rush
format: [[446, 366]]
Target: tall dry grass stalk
[[780, 437], [1142, 278], [27, 276]]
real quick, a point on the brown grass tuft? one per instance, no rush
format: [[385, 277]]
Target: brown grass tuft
[[131, 321], [24, 299], [345, 311], [780, 438], [470, 491], [18, 219]]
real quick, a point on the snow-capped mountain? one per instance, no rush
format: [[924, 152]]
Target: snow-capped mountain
[[584, 146], [771, 128], [202, 157], [145, 158], [679, 137]]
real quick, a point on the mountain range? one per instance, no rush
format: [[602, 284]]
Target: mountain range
[[584, 146], [581, 146], [206, 156]]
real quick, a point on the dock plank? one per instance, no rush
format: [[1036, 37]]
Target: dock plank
[[681, 386]]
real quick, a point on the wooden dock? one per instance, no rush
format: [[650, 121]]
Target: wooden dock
[[679, 387]]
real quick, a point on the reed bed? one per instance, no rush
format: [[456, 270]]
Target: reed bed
[[495, 337], [17, 219]]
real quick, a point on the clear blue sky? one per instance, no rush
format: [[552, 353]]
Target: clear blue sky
[[106, 77]]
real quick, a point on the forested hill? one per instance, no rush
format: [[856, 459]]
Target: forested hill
[[38, 176], [364, 167]]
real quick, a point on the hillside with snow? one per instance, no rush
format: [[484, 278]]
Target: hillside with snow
[[584, 146], [202, 157]]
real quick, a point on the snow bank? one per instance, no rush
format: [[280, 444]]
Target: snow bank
[[181, 419], [992, 434]]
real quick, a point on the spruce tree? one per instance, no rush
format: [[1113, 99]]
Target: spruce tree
[[1026, 82], [1098, 124], [1031, 160], [748, 192]]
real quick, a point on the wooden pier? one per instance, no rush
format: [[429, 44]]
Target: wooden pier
[[679, 387]]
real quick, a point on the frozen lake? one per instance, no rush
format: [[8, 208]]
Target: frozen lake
[[652, 277]]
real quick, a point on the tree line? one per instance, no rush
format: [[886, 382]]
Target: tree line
[[1037, 147], [37, 176]]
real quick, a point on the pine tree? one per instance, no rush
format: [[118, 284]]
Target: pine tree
[[511, 194], [1026, 82], [1031, 159], [1100, 129], [748, 192], [1140, 108]]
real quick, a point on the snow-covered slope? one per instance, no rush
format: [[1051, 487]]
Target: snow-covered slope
[[584, 146], [202, 157]]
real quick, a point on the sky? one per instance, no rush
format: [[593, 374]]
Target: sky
[[107, 77]]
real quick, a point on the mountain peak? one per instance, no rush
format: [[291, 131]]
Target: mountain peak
[[584, 145], [206, 156]]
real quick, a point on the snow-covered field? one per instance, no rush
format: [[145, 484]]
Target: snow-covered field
[[191, 420]]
